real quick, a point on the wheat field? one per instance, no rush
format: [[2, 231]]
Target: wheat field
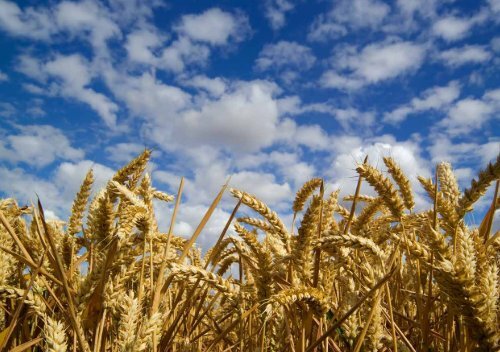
[[374, 275]]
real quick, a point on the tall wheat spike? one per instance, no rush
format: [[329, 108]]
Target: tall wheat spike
[[382, 275]]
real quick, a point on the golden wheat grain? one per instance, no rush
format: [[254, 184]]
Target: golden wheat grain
[[262, 209], [133, 288], [54, 335], [402, 181], [304, 193], [384, 188]]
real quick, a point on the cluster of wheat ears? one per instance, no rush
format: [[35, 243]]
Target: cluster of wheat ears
[[375, 277]]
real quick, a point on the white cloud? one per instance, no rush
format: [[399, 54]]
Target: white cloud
[[495, 44], [435, 98], [214, 26], [285, 54], [140, 45], [35, 23], [442, 148], [147, 97], [213, 86], [331, 79], [183, 52], [76, 75], [466, 115], [3, 77], [464, 55], [353, 119], [69, 176], [7, 109], [452, 28], [360, 13], [87, 18], [377, 62], [36, 111], [324, 29], [24, 187], [348, 117], [275, 11], [31, 67], [355, 14], [471, 114], [129, 12], [263, 185], [244, 119], [374, 63], [73, 74], [146, 47], [494, 5], [84, 18], [288, 165], [38, 145], [311, 136], [425, 8], [124, 152]]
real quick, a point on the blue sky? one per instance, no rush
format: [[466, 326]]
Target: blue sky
[[272, 92]]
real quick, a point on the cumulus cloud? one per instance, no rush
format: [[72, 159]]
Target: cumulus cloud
[[147, 97], [332, 79], [197, 34], [243, 116], [69, 176], [75, 76], [244, 119], [7, 109], [30, 22], [353, 119], [24, 186], [72, 75], [495, 44], [124, 152], [140, 45], [443, 148], [181, 53], [494, 5], [411, 8], [471, 114], [263, 185], [360, 13], [435, 98], [38, 146], [374, 63], [275, 12], [89, 19], [214, 26], [452, 28], [348, 117], [213, 86], [354, 14], [146, 47], [285, 54], [468, 54], [310, 136]]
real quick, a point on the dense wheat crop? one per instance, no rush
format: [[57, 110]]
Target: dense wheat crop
[[372, 276]]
